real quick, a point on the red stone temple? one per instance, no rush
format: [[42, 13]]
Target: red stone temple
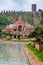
[[19, 28]]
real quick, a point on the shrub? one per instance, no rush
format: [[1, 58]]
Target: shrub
[[38, 33]]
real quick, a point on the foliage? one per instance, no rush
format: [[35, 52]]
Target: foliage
[[41, 22], [6, 19], [31, 21], [8, 37], [42, 14], [6, 34], [32, 34], [39, 54], [0, 32], [28, 18], [38, 33], [3, 22]]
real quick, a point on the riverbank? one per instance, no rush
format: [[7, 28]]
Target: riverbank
[[32, 58]]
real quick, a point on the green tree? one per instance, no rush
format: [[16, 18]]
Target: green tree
[[38, 33], [42, 14], [41, 22]]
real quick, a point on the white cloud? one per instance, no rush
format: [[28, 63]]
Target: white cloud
[[19, 4], [9, 5]]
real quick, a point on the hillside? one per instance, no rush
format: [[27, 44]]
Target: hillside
[[8, 18], [4, 21]]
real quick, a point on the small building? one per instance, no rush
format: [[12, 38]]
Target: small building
[[20, 28]]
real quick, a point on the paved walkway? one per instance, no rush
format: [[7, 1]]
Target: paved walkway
[[12, 53]]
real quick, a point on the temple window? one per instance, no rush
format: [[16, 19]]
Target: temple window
[[19, 27], [15, 30]]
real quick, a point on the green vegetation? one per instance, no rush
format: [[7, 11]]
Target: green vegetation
[[42, 14], [5, 19], [37, 33], [28, 18], [23, 39], [41, 22], [39, 54], [5, 36], [3, 22], [8, 37], [8, 18]]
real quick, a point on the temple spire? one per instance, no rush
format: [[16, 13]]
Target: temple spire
[[19, 18]]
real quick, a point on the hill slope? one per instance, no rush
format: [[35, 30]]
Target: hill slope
[[8, 18], [4, 21]]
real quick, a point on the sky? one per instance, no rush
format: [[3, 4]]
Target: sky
[[20, 5]]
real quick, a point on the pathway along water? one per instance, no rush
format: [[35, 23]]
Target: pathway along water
[[13, 54]]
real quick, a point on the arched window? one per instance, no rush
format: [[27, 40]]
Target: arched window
[[14, 29], [19, 27]]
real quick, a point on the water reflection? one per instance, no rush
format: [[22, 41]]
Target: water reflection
[[12, 54]]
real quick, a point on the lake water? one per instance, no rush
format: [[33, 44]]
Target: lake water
[[12, 54]]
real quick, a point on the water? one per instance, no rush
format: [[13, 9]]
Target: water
[[12, 54]]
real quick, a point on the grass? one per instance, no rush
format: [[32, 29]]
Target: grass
[[0, 39], [15, 39], [39, 54], [23, 39]]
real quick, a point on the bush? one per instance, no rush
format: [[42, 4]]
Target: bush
[[8, 38], [41, 22], [38, 33]]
